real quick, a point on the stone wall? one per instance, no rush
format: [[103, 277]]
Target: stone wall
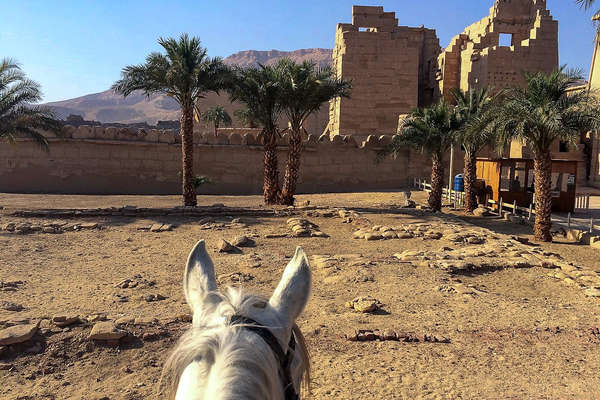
[[391, 68], [475, 58], [95, 160]]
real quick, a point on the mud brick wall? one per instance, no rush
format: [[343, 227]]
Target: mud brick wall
[[97, 160]]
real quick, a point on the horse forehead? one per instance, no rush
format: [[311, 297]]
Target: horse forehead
[[189, 384]]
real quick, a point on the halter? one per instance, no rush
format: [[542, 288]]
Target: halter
[[284, 359]]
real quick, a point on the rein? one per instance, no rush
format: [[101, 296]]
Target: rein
[[284, 359]]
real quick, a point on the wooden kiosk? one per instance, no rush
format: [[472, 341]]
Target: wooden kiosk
[[512, 179]]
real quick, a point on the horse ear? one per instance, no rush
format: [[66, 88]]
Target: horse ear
[[199, 277], [291, 295]]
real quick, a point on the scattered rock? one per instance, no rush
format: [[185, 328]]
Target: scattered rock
[[65, 320], [145, 321], [235, 277], [17, 334], [482, 211], [225, 246], [373, 236], [592, 292], [243, 241], [125, 321], [275, 235], [10, 306], [161, 228], [304, 228], [364, 304], [106, 331], [367, 335], [154, 297]]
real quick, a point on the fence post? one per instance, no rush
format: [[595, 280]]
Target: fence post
[[587, 202], [569, 220], [500, 207], [530, 211], [592, 225], [515, 207]]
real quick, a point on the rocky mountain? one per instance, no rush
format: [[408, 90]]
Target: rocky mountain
[[109, 107], [253, 57]]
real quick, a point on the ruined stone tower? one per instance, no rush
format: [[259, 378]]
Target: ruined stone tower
[[397, 68], [518, 36], [392, 69]]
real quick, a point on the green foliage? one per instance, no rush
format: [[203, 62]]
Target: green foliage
[[259, 88], [184, 73], [305, 87], [245, 117], [471, 108], [544, 112], [18, 114], [200, 180], [432, 130], [217, 116], [586, 5]]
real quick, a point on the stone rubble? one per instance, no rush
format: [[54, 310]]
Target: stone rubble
[[24, 228], [301, 227], [364, 304], [368, 335]]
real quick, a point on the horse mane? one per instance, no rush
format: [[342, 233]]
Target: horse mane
[[212, 339]]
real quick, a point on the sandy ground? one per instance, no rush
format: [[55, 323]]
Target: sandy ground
[[524, 335]]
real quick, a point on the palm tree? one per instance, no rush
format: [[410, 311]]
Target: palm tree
[[431, 130], [305, 88], [185, 73], [540, 114], [18, 114], [218, 116], [244, 116], [259, 88], [470, 108], [586, 5]]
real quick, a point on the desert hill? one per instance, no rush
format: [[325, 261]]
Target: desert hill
[[109, 107]]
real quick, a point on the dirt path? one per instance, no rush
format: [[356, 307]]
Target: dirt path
[[515, 332]]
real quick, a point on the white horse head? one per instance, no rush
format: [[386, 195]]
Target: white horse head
[[241, 346]]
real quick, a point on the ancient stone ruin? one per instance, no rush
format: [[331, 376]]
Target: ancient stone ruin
[[395, 69], [392, 69], [518, 36]]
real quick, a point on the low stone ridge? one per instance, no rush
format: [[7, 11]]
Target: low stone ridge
[[26, 227], [368, 335], [301, 227], [132, 211]]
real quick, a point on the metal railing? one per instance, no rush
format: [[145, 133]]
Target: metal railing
[[500, 207], [582, 202]]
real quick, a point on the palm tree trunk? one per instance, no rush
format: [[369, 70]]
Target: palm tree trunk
[[187, 156], [470, 176], [543, 196], [437, 182], [292, 169], [271, 174]]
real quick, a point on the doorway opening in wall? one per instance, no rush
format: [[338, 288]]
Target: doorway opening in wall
[[505, 40]]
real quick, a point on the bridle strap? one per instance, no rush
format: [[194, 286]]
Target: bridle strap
[[284, 359]]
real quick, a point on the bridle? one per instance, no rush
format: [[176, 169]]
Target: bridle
[[284, 359]]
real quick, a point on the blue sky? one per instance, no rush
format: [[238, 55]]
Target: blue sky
[[77, 47]]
